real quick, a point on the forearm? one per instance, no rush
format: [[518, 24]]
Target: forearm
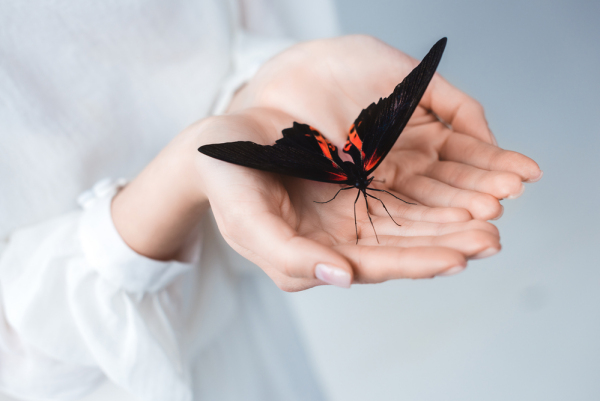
[[159, 210]]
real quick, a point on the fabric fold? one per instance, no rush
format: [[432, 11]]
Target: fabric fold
[[79, 302], [113, 259]]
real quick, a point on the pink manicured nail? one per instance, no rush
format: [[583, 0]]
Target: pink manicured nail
[[536, 179], [515, 196], [485, 254], [333, 275], [453, 270]]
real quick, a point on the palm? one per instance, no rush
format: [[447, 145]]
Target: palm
[[326, 85]]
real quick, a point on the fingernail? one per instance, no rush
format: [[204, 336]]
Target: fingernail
[[515, 196], [500, 215], [486, 253], [539, 177], [333, 275], [453, 270]]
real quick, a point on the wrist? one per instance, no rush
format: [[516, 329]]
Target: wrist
[[158, 212]]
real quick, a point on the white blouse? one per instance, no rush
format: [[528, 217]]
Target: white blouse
[[95, 89]]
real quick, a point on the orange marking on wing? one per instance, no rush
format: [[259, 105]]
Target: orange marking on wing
[[337, 177], [354, 139], [326, 148], [348, 143], [322, 143], [371, 162]]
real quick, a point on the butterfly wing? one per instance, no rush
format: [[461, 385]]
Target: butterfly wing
[[302, 152], [378, 126]]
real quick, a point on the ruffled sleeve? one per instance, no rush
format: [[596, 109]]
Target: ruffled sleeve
[[78, 305]]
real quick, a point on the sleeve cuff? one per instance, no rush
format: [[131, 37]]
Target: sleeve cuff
[[106, 251]]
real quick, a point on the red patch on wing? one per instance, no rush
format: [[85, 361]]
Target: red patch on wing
[[327, 147], [354, 139], [371, 162], [324, 144], [337, 177]]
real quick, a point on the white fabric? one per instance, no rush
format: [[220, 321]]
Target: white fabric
[[95, 89]]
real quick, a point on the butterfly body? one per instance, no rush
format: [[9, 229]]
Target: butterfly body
[[362, 183], [304, 152]]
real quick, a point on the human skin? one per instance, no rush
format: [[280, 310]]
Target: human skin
[[453, 170]]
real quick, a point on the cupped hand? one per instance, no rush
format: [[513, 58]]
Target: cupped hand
[[446, 160]]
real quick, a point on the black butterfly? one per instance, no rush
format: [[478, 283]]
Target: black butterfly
[[304, 152]]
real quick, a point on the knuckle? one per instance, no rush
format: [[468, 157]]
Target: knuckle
[[486, 206], [285, 267], [456, 260], [477, 106], [447, 258], [284, 283], [286, 286], [366, 39], [480, 239], [375, 277], [483, 226], [510, 160], [460, 214], [512, 184], [505, 183]]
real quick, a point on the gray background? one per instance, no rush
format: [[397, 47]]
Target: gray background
[[524, 324]]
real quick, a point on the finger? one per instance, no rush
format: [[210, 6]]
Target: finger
[[465, 149], [413, 212], [291, 284], [269, 241], [458, 109], [375, 264], [473, 244], [500, 184], [408, 228], [431, 192]]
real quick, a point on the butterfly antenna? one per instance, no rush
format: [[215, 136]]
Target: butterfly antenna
[[383, 190], [336, 194], [383, 204], [356, 225], [368, 214]]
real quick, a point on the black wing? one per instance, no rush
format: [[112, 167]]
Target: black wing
[[302, 152], [378, 126]]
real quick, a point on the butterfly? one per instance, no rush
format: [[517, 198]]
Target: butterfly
[[304, 152]]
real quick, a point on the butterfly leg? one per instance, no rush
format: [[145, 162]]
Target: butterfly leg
[[368, 214], [383, 190], [383, 204], [336, 194], [355, 224]]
